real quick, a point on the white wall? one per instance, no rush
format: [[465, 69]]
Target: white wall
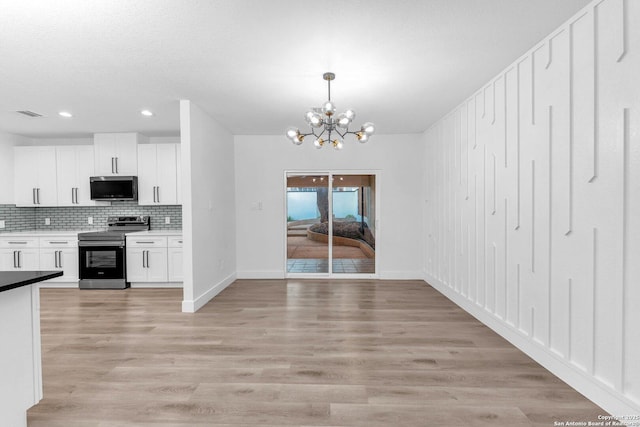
[[7, 142], [533, 204], [260, 165], [208, 209]]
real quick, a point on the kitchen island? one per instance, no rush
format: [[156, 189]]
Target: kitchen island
[[20, 354]]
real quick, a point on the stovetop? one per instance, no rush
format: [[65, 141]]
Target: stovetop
[[118, 226]]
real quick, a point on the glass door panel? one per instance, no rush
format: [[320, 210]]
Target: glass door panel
[[308, 223], [353, 203]]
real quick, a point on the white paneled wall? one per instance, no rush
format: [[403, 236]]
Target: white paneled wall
[[532, 215]]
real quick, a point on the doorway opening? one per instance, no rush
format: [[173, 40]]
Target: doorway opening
[[331, 224]]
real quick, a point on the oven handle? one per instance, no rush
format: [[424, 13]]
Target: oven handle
[[106, 243]]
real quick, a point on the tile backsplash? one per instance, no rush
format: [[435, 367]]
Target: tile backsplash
[[17, 219], [76, 218]]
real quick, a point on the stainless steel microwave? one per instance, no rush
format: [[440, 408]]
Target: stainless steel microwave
[[110, 188]]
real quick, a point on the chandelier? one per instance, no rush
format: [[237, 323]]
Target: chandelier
[[324, 123]]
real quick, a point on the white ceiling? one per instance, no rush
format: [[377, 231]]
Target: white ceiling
[[256, 66]]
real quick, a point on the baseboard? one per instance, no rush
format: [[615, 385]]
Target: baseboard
[[191, 306], [70, 285], [137, 285], [255, 274], [401, 275], [601, 394]]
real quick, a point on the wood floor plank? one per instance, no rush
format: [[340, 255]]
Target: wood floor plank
[[287, 352]]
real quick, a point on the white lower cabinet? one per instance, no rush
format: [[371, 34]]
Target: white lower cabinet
[[19, 253], [19, 259], [147, 260], [146, 265], [175, 259], [61, 255]]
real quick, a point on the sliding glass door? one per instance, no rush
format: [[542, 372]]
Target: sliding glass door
[[331, 224]]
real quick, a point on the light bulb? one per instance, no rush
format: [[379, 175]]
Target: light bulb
[[292, 133], [350, 114], [337, 144], [318, 143], [343, 120], [298, 139], [368, 128], [314, 119], [362, 137], [328, 108]]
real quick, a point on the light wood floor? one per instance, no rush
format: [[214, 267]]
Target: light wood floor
[[312, 353]]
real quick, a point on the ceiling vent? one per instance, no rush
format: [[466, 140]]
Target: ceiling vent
[[29, 113]]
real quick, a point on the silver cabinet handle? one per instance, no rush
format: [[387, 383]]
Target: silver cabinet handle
[[55, 259], [148, 243], [158, 192], [15, 262], [38, 195], [60, 259], [113, 170], [117, 165], [33, 195], [77, 202], [19, 260], [179, 241], [147, 259], [17, 243], [154, 194], [58, 243], [143, 264]]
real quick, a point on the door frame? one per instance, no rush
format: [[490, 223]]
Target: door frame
[[377, 228]]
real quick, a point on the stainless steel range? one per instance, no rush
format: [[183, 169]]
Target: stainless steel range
[[103, 258]]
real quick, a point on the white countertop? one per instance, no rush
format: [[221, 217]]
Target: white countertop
[[44, 233], [156, 233]]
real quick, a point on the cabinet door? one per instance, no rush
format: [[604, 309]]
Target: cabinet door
[[178, 174], [104, 145], [66, 166], [8, 260], [147, 174], [175, 261], [84, 169], [126, 154], [25, 177], [157, 264], [166, 173], [47, 189], [68, 261], [49, 259], [136, 272], [28, 259]]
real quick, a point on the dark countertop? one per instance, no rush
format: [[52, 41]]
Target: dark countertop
[[15, 279]]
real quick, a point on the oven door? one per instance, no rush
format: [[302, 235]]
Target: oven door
[[102, 265]]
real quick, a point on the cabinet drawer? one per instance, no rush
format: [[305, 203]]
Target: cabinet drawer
[[19, 242], [61, 242], [175, 241], [146, 242]]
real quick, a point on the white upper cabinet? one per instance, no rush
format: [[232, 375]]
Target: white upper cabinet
[[157, 174], [74, 167], [116, 153], [35, 176]]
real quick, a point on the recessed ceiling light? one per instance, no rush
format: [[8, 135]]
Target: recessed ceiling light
[[146, 113], [65, 114]]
